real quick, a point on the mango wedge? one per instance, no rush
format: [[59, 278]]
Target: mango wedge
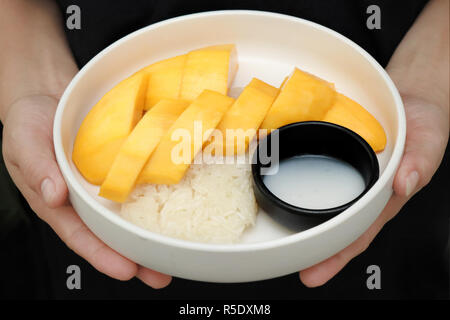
[[138, 147], [106, 127], [211, 68], [350, 114], [245, 116], [164, 80], [172, 157], [303, 97]]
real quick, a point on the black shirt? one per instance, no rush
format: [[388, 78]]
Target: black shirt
[[104, 21], [411, 250]]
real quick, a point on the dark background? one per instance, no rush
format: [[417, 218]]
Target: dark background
[[412, 250]]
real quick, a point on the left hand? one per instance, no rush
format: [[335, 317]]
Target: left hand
[[29, 156], [426, 140]]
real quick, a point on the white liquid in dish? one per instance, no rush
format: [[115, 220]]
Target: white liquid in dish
[[315, 182]]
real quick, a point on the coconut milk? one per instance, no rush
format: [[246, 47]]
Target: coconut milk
[[315, 182]]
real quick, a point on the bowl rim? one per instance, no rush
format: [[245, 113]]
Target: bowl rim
[[238, 247], [319, 214]]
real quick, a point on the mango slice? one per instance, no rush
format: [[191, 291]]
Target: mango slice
[[350, 114], [178, 147], [106, 126], [138, 147], [211, 68], [303, 97], [164, 80], [245, 117]]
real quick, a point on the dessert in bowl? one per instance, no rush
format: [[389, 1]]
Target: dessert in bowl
[[269, 46]]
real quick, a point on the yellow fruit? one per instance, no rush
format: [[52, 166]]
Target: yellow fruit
[[106, 126], [212, 68], [284, 82], [265, 88], [138, 147], [164, 80], [350, 114], [172, 157], [245, 116], [303, 97]]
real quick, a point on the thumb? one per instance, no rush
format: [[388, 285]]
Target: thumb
[[426, 138], [28, 147]]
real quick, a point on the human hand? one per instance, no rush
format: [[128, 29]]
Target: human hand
[[419, 69], [29, 157], [426, 140]]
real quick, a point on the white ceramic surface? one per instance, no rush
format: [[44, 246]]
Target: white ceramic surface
[[269, 46]]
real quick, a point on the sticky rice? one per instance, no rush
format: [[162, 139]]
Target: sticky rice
[[214, 203]]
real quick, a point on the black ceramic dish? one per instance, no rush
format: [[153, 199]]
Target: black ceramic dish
[[310, 138]]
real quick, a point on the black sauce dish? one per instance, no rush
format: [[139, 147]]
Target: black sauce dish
[[310, 138]]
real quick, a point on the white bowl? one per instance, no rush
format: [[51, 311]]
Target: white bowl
[[269, 46]]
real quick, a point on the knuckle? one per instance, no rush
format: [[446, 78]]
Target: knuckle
[[363, 243], [425, 169]]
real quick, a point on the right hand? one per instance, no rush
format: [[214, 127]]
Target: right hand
[[29, 157]]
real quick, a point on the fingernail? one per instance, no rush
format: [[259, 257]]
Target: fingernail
[[411, 182], [48, 190]]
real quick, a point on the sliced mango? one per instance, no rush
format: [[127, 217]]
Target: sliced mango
[[303, 97], [164, 80], [212, 68], [172, 157], [284, 82], [245, 117], [138, 147], [350, 114], [106, 126]]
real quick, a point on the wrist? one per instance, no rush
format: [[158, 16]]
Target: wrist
[[49, 80], [35, 58], [413, 89], [32, 100]]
